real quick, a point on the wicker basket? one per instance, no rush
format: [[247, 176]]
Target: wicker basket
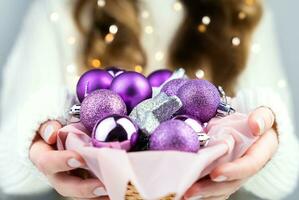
[[132, 194]]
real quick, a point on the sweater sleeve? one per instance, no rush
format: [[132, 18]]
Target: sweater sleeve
[[32, 93], [279, 177], [264, 83]]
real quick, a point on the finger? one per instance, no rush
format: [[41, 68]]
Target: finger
[[97, 198], [215, 198], [50, 161], [48, 131], [261, 120], [253, 161], [208, 188], [71, 186]]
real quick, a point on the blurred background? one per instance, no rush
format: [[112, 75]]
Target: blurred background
[[285, 16]]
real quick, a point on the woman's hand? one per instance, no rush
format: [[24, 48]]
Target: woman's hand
[[227, 178], [55, 165]]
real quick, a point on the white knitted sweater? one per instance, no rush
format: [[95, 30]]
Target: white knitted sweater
[[41, 70]]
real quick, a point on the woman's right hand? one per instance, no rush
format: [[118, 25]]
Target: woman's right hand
[[55, 165]]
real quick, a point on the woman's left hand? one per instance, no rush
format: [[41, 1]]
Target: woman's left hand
[[227, 178]]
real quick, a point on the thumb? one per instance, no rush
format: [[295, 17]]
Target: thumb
[[48, 131]]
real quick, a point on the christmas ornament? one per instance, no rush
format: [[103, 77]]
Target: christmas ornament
[[203, 139], [158, 77], [197, 126], [115, 128], [200, 99], [75, 110], [203, 101], [151, 112], [114, 71], [92, 80], [194, 124], [177, 74], [100, 104], [171, 88], [132, 87], [174, 135], [224, 107], [139, 142]]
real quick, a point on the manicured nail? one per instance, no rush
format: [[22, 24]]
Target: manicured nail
[[48, 132], [100, 191], [220, 179], [261, 124], [74, 163], [198, 197]]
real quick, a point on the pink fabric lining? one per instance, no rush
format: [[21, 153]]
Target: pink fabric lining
[[158, 173]]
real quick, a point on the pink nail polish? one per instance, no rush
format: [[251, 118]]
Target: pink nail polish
[[220, 179], [48, 132], [100, 191], [74, 163], [198, 197], [261, 125]]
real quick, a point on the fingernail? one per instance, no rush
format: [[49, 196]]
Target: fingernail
[[220, 179], [74, 163], [198, 197], [261, 124], [48, 132], [100, 191]]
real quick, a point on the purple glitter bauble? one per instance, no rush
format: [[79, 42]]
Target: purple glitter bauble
[[174, 135], [93, 80], [200, 99], [114, 71], [158, 77], [114, 128], [132, 87], [100, 104], [171, 88]]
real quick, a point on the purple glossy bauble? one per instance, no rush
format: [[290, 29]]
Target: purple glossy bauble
[[132, 87], [174, 135], [171, 88], [158, 77], [200, 99], [93, 80], [114, 71], [100, 104], [114, 128], [197, 126]]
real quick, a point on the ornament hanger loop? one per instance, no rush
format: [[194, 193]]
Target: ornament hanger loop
[[75, 110], [223, 95], [203, 139], [224, 107]]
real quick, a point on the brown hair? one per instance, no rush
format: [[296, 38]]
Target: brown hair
[[197, 44]]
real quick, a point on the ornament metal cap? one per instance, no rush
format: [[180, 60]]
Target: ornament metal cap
[[224, 107], [203, 139], [75, 110]]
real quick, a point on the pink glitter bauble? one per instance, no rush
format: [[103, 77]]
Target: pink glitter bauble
[[171, 88], [200, 99], [174, 135], [100, 104]]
